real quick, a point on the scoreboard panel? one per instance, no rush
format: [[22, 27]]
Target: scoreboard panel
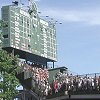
[[28, 32]]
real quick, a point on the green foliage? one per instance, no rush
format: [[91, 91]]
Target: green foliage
[[0, 24], [3, 24], [8, 69]]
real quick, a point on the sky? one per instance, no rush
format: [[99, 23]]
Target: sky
[[78, 37]]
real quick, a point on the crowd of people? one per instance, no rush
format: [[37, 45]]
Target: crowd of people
[[62, 82], [75, 84], [40, 76]]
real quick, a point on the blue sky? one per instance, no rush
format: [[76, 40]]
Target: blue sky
[[78, 38]]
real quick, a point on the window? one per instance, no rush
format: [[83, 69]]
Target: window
[[34, 16], [30, 11], [29, 45], [5, 25], [22, 19], [29, 35], [28, 23], [45, 29], [41, 28], [33, 26], [5, 36], [16, 18]]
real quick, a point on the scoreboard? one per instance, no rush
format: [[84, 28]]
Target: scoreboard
[[29, 33]]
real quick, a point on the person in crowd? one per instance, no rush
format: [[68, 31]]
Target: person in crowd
[[99, 83], [56, 85]]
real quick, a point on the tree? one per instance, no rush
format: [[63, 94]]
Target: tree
[[2, 24], [8, 69]]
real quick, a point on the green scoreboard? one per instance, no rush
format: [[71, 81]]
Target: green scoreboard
[[27, 32]]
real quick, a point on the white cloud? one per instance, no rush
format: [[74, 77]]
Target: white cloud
[[91, 17], [36, 0]]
